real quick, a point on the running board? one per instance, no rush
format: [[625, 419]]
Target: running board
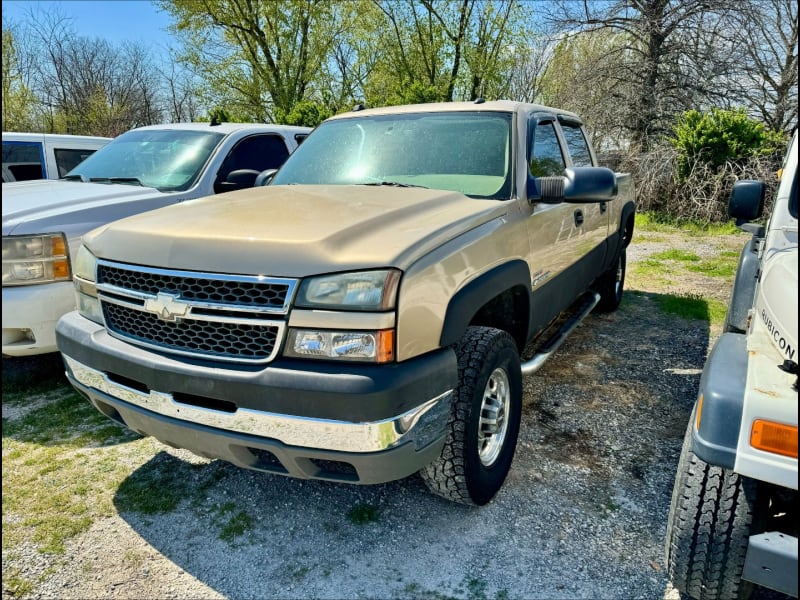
[[534, 364]]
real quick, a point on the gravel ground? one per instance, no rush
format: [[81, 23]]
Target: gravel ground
[[582, 515]]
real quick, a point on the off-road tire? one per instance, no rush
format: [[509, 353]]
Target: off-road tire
[[710, 521], [488, 368], [610, 285]]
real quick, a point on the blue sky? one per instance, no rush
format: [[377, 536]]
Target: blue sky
[[117, 21]]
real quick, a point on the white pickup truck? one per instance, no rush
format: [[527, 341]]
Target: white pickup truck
[[141, 170]]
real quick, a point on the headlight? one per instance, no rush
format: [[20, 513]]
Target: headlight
[[363, 290], [85, 288], [365, 346], [32, 259]]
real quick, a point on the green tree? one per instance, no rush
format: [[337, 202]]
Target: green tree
[[19, 102], [719, 136], [260, 58]]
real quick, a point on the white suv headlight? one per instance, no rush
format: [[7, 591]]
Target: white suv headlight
[[361, 290], [34, 259]]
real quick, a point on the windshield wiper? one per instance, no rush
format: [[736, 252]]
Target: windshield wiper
[[73, 178], [132, 180], [394, 184]]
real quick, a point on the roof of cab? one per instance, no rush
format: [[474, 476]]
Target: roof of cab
[[508, 106], [226, 128]]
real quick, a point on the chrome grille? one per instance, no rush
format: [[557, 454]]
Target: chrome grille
[[206, 315]]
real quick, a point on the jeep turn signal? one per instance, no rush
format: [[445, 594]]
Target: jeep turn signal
[[774, 437]]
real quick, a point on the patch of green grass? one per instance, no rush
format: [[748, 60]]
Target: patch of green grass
[[692, 306], [659, 222], [717, 267], [236, 526], [154, 489], [361, 514], [67, 420], [15, 584], [674, 254]]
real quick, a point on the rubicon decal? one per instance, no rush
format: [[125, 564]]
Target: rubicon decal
[[780, 340]]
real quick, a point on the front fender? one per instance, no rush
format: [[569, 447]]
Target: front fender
[[720, 401]]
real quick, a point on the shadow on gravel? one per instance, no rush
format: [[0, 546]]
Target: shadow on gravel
[[32, 373]]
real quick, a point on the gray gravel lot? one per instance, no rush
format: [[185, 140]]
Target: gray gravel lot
[[582, 514]]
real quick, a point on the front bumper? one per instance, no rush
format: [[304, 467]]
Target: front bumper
[[30, 313], [343, 422]]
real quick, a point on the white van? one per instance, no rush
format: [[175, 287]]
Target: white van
[[45, 155]]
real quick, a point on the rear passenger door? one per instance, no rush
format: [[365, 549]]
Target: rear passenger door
[[23, 161]]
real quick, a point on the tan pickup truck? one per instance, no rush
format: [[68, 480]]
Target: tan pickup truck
[[359, 318]]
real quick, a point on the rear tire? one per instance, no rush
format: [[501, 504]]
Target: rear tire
[[484, 420], [710, 522], [610, 285]]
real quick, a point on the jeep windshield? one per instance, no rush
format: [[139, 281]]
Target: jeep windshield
[[168, 160], [467, 152]]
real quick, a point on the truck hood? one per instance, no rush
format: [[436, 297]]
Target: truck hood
[[776, 301], [43, 206], [295, 230]]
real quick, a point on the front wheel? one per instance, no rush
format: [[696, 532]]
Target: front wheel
[[709, 525], [484, 420]]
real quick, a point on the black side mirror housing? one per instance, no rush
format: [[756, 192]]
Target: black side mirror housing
[[747, 200], [578, 185], [239, 180]]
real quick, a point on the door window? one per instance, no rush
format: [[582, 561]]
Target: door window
[[546, 159], [256, 153], [576, 144]]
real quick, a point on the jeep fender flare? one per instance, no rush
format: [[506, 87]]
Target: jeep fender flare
[[720, 401], [744, 288], [466, 303]]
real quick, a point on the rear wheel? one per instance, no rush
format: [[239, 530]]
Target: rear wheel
[[710, 521], [484, 420], [610, 285]]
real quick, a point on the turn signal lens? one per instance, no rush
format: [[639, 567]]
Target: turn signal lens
[[774, 437]]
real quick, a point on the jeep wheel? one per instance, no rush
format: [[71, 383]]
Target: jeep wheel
[[484, 420], [610, 284], [710, 521]]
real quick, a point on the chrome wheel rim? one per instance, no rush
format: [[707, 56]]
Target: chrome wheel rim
[[493, 423]]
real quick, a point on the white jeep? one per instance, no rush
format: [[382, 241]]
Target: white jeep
[[733, 518]]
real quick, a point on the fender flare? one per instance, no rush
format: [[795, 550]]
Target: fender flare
[[744, 288], [468, 300], [722, 388]]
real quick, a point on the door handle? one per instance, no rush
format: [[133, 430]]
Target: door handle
[[578, 217]]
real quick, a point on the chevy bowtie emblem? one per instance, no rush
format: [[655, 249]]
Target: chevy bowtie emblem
[[166, 306]]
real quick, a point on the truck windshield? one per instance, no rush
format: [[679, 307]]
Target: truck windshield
[[169, 160], [467, 152]]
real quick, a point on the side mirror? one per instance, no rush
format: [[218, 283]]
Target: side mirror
[[578, 185], [239, 179], [747, 200], [265, 177]]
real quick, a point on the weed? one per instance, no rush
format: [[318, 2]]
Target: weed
[[361, 514], [16, 585], [476, 588], [236, 526]]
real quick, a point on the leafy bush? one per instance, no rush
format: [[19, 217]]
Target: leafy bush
[[721, 136]]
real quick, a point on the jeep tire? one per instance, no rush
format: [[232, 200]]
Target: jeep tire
[[484, 419], [710, 522]]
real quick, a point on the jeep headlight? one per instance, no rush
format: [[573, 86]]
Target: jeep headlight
[[360, 290], [34, 259], [85, 286]]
